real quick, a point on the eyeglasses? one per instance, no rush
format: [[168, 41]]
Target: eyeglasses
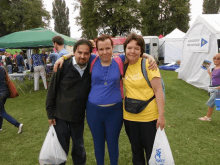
[[216, 58]]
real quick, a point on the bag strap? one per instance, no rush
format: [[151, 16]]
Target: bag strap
[[144, 71], [120, 66], [92, 63], [125, 68]]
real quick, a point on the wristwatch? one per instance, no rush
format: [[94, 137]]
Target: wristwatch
[[65, 57]]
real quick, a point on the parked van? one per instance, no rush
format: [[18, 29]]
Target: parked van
[[152, 46]]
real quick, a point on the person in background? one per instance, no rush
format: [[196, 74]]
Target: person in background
[[141, 127], [37, 60], [43, 53], [53, 58], [8, 62], [16, 53], [94, 50], [4, 94], [215, 76], [58, 43], [20, 62], [3, 59]]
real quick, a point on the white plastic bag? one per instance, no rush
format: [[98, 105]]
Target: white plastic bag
[[51, 151], [161, 153]]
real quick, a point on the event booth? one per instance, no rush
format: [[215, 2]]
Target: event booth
[[171, 46], [33, 38], [29, 39], [201, 42]]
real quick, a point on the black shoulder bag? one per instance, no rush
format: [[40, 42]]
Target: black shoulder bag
[[133, 105]]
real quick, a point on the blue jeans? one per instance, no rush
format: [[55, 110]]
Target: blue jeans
[[211, 101], [9, 67], [105, 124], [3, 97], [20, 68]]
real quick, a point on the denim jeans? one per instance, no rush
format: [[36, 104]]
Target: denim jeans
[[3, 114], [9, 68], [20, 68]]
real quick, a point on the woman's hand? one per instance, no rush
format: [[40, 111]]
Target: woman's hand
[[208, 70], [161, 122], [218, 87], [152, 64], [58, 63]]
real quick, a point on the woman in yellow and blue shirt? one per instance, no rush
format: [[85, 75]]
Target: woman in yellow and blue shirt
[[141, 127]]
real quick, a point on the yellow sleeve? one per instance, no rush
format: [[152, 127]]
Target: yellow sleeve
[[152, 73]]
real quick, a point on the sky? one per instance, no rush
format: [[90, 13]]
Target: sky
[[75, 32]]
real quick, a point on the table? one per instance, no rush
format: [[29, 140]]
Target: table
[[19, 78]]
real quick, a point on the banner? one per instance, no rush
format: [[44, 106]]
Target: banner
[[198, 44]]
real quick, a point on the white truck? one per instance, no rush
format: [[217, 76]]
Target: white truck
[[152, 46]]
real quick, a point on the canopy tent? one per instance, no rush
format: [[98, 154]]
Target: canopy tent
[[38, 37], [202, 42], [171, 46]]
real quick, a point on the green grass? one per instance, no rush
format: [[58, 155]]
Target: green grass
[[192, 141]]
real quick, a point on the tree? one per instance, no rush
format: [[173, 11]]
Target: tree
[[211, 6], [61, 17], [113, 17], [17, 15], [163, 16], [88, 19]]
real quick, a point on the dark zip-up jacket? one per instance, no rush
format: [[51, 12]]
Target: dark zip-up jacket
[[68, 93]]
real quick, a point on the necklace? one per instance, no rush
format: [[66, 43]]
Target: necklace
[[105, 77]]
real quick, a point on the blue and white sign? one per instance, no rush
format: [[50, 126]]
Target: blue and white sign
[[198, 44]]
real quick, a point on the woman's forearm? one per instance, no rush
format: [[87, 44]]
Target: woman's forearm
[[69, 55], [158, 91], [160, 102]]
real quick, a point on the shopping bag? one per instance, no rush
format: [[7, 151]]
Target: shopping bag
[[161, 153], [51, 151]]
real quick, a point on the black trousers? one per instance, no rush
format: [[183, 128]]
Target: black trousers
[[65, 130], [141, 136]]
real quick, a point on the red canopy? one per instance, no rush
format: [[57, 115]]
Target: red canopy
[[160, 36]]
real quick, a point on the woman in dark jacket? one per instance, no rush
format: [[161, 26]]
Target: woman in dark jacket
[[4, 94]]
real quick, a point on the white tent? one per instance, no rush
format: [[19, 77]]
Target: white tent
[[202, 42], [171, 46]]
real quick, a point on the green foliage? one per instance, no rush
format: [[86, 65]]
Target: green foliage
[[113, 17], [163, 16], [61, 17], [211, 6], [18, 15]]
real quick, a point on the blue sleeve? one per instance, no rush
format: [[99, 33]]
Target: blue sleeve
[[122, 56], [32, 56], [92, 57]]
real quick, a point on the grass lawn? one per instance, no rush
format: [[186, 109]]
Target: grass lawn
[[192, 141]]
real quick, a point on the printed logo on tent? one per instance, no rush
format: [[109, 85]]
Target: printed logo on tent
[[158, 157], [203, 42]]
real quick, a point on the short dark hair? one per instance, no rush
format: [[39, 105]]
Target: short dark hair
[[83, 42], [58, 39], [135, 37], [103, 37]]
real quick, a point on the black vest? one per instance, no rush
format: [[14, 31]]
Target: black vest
[[72, 94]]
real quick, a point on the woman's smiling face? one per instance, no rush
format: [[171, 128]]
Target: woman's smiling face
[[133, 51]]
